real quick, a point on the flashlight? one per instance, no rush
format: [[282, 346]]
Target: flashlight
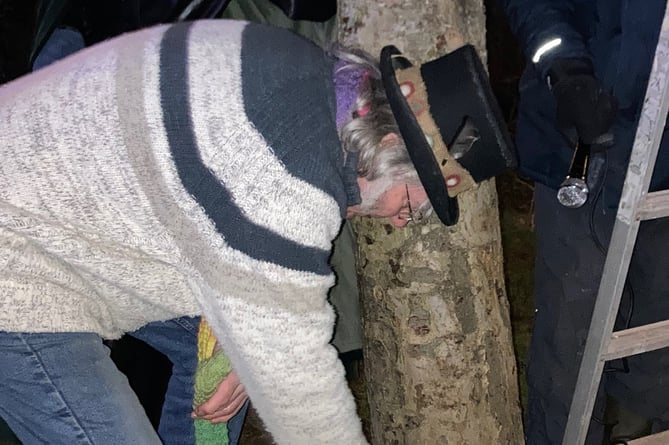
[[573, 191]]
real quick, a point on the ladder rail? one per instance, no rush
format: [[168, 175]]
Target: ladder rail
[[640, 169], [603, 318]]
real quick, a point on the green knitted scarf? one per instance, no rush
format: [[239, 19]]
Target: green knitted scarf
[[212, 367]]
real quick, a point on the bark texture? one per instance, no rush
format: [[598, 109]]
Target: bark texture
[[439, 357]]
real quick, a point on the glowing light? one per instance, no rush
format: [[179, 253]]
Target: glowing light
[[543, 49]]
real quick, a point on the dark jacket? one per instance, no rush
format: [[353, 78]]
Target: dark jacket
[[620, 37]]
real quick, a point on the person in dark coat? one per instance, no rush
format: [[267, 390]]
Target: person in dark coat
[[587, 70]]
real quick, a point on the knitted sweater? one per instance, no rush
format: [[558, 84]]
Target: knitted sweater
[[181, 170]]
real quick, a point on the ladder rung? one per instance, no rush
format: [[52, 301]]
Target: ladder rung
[[637, 340], [654, 205], [654, 439]]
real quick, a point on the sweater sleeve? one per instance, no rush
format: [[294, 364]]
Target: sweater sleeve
[[292, 374], [260, 201]]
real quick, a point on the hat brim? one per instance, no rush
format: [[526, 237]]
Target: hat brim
[[418, 147]]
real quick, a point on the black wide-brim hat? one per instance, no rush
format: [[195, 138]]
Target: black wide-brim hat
[[450, 122]]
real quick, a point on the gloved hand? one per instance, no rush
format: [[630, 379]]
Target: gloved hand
[[585, 112]]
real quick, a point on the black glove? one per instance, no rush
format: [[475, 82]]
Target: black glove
[[585, 112]]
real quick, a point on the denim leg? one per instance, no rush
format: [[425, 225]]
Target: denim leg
[[63, 389], [177, 339], [236, 423]]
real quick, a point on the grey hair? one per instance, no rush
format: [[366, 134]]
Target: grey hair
[[387, 161]]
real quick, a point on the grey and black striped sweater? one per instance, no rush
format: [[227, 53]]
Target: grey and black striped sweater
[[181, 170]]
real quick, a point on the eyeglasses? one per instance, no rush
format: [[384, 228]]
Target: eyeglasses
[[413, 215]]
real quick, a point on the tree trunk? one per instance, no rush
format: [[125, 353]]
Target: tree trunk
[[439, 360]]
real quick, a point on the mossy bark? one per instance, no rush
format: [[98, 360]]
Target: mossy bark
[[439, 359]]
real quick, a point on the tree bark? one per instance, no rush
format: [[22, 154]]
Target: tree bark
[[439, 359]]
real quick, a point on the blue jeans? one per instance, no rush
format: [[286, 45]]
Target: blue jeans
[[63, 388]]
